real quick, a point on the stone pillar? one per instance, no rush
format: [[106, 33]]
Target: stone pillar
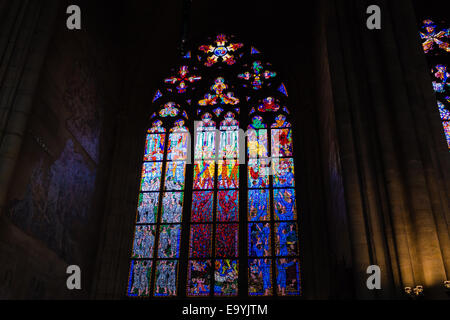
[[25, 31]]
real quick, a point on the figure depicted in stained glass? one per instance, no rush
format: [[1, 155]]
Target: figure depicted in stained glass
[[281, 122], [199, 278], [154, 147], [169, 241], [285, 204], [175, 173], [228, 206], [286, 238], [205, 144], [221, 51], [170, 109], [258, 205], [441, 73], [226, 277], [257, 76], [220, 95], [166, 278], [178, 146], [260, 277], [227, 240], [257, 143], [144, 241], [433, 37], [282, 143], [140, 274], [202, 206], [182, 80], [269, 104], [147, 207], [287, 277], [151, 176], [258, 173], [259, 239], [228, 175], [204, 175], [172, 208], [283, 173], [200, 244], [157, 127]]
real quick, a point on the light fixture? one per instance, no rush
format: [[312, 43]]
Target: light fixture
[[418, 291]]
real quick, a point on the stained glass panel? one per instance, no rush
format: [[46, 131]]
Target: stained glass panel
[[259, 242], [178, 146], [228, 206], [257, 143], [288, 275], [258, 205], [226, 277], [144, 241], [446, 125], [202, 206], [285, 204], [286, 239], [227, 240], [147, 208], [172, 207], [200, 245], [151, 176], [166, 278], [205, 146], [139, 278], [258, 173], [204, 175], [175, 174], [154, 147], [283, 173], [199, 278], [229, 144], [228, 175], [282, 143], [169, 241], [260, 277]]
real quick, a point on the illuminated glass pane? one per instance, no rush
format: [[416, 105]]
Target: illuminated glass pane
[[257, 143], [200, 245], [202, 206], [258, 173], [139, 278], [229, 144], [281, 122], [259, 240], [258, 205], [228, 175], [228, 206], [151, 176], [144, 241], [446, 125], [260, 277], [282, 143], [227, 240], [204, 175], [178, 146], [226, 277], [154, 147], [288, 276], [157, 127], [147, 208], [286, 239], [285, 204], [169, 241], [175, 174], [445, 114], [170, 109], [205, 147], [166, 278], [172, 207], [199, 278], [283, 173]]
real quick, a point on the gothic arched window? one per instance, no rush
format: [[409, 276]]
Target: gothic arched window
[[224, 224], [436, 45]]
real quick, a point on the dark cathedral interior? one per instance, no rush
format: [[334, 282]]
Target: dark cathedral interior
[[355, 107]]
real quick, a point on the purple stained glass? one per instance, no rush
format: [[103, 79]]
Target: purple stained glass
[[228, 206], [258, 205], [227, 240], [199, 278], [202, 206], [259, 242], [200, 245]]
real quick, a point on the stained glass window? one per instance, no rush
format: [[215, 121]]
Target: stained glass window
[[232, 218], [436, 45]]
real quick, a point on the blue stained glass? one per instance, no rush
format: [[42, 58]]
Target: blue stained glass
[[151, 176], [158, 95], [172, 207], [199, 278], [166, 278], [258, 205], [139, 278], [175, 175], [202, 206], [228, 206], [259, 239], [288, 277], [283, 173], [286, 239], [169, 241], [260, 277], [254, 51], [283, 89], [147, 208], [144, 241], [285, 204], [226, 277]]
